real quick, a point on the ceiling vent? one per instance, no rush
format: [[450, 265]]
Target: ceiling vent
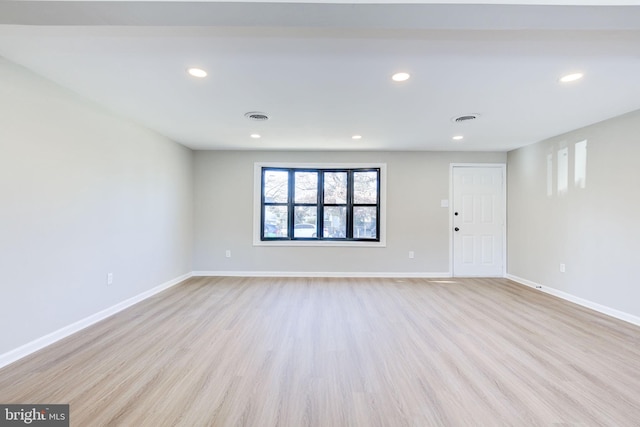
[[256, 116], [465, 118]]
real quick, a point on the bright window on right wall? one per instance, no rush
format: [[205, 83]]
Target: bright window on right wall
[[580, 167]]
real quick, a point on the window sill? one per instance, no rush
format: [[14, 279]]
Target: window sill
[[320, 243]]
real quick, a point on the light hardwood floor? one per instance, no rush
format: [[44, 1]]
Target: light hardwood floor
[[341, 352]]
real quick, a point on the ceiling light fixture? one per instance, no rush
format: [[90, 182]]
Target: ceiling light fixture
[[356, 137], [400, 77], [256, 116], [458, 137], [197, 72], [465, 118], [255, 135], [571, 77]]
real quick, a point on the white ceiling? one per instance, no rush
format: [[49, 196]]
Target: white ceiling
[[322, 71]]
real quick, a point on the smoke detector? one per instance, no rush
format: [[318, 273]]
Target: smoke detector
[[465, 118], [256, 116]]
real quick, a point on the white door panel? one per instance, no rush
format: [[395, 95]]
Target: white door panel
[[478, 221]]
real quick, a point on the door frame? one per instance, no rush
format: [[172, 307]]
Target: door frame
[[503, 167]]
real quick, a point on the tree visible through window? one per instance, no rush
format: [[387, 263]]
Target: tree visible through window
[[320, 204]]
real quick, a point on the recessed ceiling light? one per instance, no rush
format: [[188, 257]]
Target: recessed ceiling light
[[356, 137], [197, 72], [400, 77], [255, 136], [571, 77], [458, 137]]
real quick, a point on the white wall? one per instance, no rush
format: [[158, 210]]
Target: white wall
[[82, 193], [594, 230], [416, 183]]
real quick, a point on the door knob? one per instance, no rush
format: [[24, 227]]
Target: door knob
[[456, 229]]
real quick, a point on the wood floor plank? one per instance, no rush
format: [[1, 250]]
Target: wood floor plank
[[341, 352]]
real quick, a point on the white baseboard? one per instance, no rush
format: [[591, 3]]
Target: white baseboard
[[439, 275], [577, 300], [37, 344]]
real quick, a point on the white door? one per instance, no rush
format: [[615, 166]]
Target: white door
[[478, 220]]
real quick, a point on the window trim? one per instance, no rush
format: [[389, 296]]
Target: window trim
[[257, 204]]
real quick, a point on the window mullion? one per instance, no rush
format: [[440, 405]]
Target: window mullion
[[349, 224], [320, 202], [291, 204], [378, 204], [263, 206]]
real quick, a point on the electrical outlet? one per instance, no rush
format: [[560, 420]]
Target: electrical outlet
[[227, 253], [562, 268], [411, 254], [109, 278]]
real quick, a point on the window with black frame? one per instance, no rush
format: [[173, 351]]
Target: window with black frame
[[320, 204]]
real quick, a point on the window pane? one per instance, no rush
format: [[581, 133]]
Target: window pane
[[364, 222], [275, 221], [306, 187], [563, 170], [580, 170], [335, 187], [305, 220], [365, 187], [276, 186], [335, 222]]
